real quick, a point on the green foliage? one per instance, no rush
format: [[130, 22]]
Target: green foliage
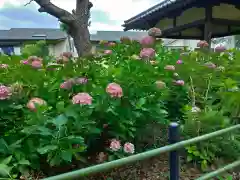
[[40, 48], [61, 132]]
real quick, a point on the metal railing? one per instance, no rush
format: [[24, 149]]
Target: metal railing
[[172, 149]]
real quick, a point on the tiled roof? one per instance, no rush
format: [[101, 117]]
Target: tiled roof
[[21, 34], [32, 34]]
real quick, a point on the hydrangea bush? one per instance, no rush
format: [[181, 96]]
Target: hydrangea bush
[[59, 111]]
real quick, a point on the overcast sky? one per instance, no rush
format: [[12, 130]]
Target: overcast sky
[[105, 14]]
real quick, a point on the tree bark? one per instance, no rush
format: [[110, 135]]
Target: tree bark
[[77, 22]]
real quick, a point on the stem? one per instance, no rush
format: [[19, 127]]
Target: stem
[[193, 92], [208, 88]]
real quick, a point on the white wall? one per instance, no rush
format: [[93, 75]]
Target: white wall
[[191, 44], [17, 50]]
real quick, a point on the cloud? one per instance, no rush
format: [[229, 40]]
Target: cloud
[[105, 14]]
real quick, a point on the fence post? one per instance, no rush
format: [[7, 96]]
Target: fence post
[[174, 136]]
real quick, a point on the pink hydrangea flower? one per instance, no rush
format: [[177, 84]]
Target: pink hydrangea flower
[[108, 52], [32, 103], [210, 65], [82, 98], [67, 84], [5, 92], [147, 53], [160, 84], [180, 82], [169, 67], [111, 44], [155, 32], [81, 80], [67, 54], [147, 41], [114, 90], [220, 48], [62, 59], [179, 61], [37, 64], [33, 58], [202, 44], [24, 62], [4, 66], [115, 145], [129, 148]]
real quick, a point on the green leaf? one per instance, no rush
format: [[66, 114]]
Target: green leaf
[[71, 113], [189, 158], [95, 131], [7, 160], [5, 170], [47, 149], [44, 131], [66, 155], [141, 102], [24, 162], [60, 120], [3, 146], [75, 139], [60, 106]]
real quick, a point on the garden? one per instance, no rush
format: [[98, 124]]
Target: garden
[[61, 114]]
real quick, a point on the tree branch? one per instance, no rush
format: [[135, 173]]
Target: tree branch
[[48, 7]]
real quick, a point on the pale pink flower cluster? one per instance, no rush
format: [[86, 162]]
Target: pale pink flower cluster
[[220, 48], [73, 81], [24, 62], [114, 90], [62, 59], [111, 44], [179, 61], [37, 64], [155, 32], [180, 82], [67, 54], [35, 101], [81, 80], [82, 98], [67, 84], [210, 65], [4, 66], [128, 147], [5, 92], [107, 52], [147, 53], [202, 44], [160, 84], [147, 41], [115, 145], [169, 67]]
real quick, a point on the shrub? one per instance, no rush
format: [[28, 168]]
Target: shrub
[[53, 113], [39, 49]]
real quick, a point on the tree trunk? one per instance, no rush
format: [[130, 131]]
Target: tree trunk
[[77, 22], [81, 39]]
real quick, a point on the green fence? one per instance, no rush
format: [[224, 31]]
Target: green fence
[[152, 153]]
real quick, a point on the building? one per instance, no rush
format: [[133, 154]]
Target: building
[[191, 19], [15, 38]]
